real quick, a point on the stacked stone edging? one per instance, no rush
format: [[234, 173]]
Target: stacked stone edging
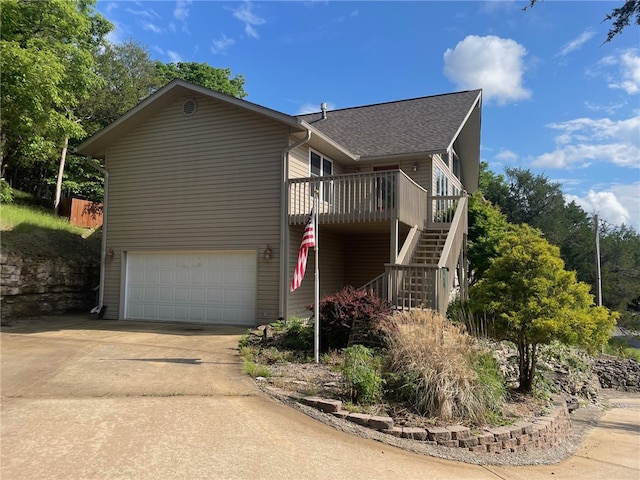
[[542, 432]]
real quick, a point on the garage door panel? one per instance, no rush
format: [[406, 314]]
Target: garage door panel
[[211, 287]]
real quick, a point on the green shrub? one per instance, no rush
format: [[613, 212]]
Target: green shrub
[[6, 192], [361, 373], [351, 311], [298, 335]]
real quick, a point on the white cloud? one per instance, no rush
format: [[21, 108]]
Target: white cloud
[[584, 140], [148, 14], [344, 18], [576, 43], [314, 108], [181, 10], [152, 27], [111, 6], [627, 74], [617, 205], [629, 63], [174, 57], [221, 45], [181, 14], [492, 63], [245, 14], [507, 155]]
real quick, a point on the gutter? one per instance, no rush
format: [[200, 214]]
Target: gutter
[[284, 225], [103, 250]]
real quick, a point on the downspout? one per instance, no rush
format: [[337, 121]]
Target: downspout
[[284, 225], [103, 249]]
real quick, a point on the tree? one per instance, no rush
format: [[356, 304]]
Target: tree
[[620, 261], [218, 79], [621, 16], [48, 67], [128, 76], [533, 300], [487, 227]]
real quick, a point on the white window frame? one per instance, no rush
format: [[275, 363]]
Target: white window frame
[[326, 195]]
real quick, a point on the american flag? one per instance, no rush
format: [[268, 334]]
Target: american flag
[[308, 240]]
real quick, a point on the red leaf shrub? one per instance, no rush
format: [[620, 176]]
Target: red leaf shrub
[[351, 313]]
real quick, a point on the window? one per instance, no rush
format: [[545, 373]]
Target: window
[[442, 183], [320, 166]]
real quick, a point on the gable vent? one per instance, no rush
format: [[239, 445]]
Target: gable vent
[[189, 107]]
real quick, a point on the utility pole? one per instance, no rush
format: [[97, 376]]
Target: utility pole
[[598, 274]]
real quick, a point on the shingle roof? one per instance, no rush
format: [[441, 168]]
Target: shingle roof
[[419, 125]]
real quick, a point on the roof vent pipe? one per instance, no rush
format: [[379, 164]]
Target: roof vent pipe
[[323, 107]]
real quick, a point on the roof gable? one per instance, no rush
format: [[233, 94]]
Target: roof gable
[[96, 145], [420, 125]]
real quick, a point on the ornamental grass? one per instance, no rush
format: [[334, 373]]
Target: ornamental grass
[[440, 370]]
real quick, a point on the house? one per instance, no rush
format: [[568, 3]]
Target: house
[[207, 196]]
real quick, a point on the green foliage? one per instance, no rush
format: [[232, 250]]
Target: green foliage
[[533, 300], [218, 79], [620, 347], [361, 372], [29, 219], [254, 370], [6, 192], [349, 307], [620, 267], [527, 198], [129, 76], [48, 67], [487, 226], [298, 335]]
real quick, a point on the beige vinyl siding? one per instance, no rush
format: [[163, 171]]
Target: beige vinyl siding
[[205, 182], [331, 254], [299, 163]]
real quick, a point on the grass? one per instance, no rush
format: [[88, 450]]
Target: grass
[[32, 231], [26, 217], [254, 370], [619, 347]]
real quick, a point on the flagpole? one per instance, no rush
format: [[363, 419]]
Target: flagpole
[[316, 298]]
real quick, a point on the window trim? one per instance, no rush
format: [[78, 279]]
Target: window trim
[[325, 196]]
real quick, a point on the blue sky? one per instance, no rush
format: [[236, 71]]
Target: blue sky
[[557, 100]]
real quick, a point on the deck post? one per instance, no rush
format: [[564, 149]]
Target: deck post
[[393, 257]]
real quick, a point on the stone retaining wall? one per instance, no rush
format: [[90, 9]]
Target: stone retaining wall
[[542, 432], [33, 287], [617, 373]]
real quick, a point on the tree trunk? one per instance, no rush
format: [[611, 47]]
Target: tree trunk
[[3, 140], [63, 159], [527, 360]]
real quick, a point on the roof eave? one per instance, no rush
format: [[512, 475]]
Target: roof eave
[[332, 143], [396, 156]]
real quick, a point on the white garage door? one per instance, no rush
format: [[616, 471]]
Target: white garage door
[[209, 287]]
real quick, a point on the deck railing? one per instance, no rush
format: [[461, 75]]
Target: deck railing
[[416, 285], [359, 197]]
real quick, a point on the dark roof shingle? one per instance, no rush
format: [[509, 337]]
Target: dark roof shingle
[[419, 125]]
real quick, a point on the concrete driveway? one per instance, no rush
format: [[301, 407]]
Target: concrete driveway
[[89, 399]]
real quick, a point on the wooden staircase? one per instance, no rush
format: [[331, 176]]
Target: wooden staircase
[[429, 247], [417, 285], [425, 273]]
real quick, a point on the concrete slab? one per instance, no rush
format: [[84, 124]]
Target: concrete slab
[[88, 399]]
